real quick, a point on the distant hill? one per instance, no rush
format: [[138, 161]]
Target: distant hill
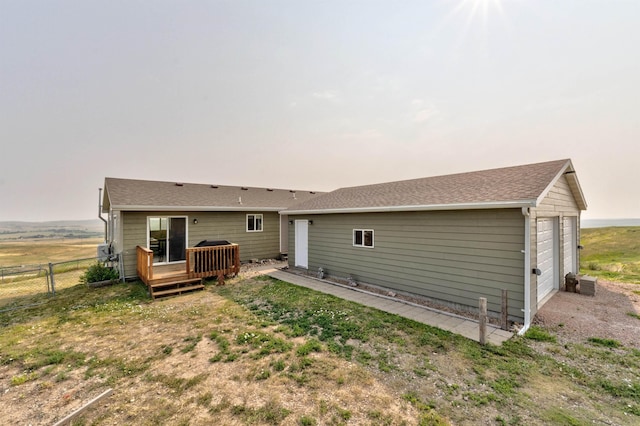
[[603, 223], [12, 230]]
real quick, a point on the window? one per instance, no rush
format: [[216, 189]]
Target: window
[[254, 223], [363, 237]]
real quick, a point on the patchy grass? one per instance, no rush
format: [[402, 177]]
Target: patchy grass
[[538, 333], [177, 385], [609, 343], [192, 342], [611, 253], [263, 343], [261, 351], [271, 413], [307, 421], [558, 416], [311, 346]]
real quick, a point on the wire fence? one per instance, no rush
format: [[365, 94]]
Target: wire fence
[[20, 284]]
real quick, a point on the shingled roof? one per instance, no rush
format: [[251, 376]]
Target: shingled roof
[[519, 186], [137, 195]]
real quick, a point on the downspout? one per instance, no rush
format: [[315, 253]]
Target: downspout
[[100, 213], [527, 270]]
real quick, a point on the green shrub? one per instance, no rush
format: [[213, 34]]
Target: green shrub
[[594, 266], [99, 272]]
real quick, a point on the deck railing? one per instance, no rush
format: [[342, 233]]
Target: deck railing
[[144, 264], [201, 262], [205, 262]]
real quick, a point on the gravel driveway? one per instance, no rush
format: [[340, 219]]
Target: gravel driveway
[[575, 317]]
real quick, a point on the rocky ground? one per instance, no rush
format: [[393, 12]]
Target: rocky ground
[[610, 314]]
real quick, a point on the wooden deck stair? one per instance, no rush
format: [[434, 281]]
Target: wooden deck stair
[[173, 286], [200, 263]]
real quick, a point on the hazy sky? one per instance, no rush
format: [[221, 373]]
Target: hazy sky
[[312, 95]]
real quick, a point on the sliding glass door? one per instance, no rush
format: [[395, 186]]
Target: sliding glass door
[[167, 238]]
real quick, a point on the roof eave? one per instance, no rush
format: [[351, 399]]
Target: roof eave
[[430, 207], [106, 198], [570, 173], [574, 184], [198, 208]]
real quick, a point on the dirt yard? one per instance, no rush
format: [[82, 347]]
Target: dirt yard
[[607, 315]]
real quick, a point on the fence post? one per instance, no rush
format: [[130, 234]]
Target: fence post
[[483, 320], [53, 281], [505, 309]]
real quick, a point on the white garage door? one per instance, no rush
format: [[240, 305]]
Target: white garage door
[[546, 257], [570, 244]]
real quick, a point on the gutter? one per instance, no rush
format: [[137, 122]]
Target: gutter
[[527, 271], [428, 207]]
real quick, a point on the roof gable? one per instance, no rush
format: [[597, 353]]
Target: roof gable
[[517, 186], [136, 195]]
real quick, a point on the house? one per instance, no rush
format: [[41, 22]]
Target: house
[[169, 217], [450, 239]]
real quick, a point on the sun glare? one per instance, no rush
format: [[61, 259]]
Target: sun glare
[[475, 16], [479, 9]]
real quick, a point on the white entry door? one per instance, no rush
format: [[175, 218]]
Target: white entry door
[[302, 243], [547, 257], [570, 245]]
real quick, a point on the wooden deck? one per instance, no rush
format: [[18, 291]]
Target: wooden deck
[[187, 276]]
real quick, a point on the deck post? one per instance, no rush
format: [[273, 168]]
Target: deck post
[[505, 309], [144, 264], [483, 321], [236, 262]]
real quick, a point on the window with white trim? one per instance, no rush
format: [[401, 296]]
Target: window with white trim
[[254, 223], [363, 238]]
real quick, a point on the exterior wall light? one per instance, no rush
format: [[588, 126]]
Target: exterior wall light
[[195, 221]]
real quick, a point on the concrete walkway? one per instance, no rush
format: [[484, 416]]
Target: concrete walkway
[[443, 320]]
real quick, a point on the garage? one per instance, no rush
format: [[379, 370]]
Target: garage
[[547, 257]]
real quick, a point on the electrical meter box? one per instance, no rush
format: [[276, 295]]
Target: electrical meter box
[[103, 252]]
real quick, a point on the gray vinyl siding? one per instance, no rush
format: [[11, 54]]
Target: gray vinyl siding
[[229, 226], [284, 234], [232, 226], [450, 256], [559, 200], [134, 233], [557, 204]]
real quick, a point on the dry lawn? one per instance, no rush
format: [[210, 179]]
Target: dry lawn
[[258, 351], [158, 358], [31, 252]]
